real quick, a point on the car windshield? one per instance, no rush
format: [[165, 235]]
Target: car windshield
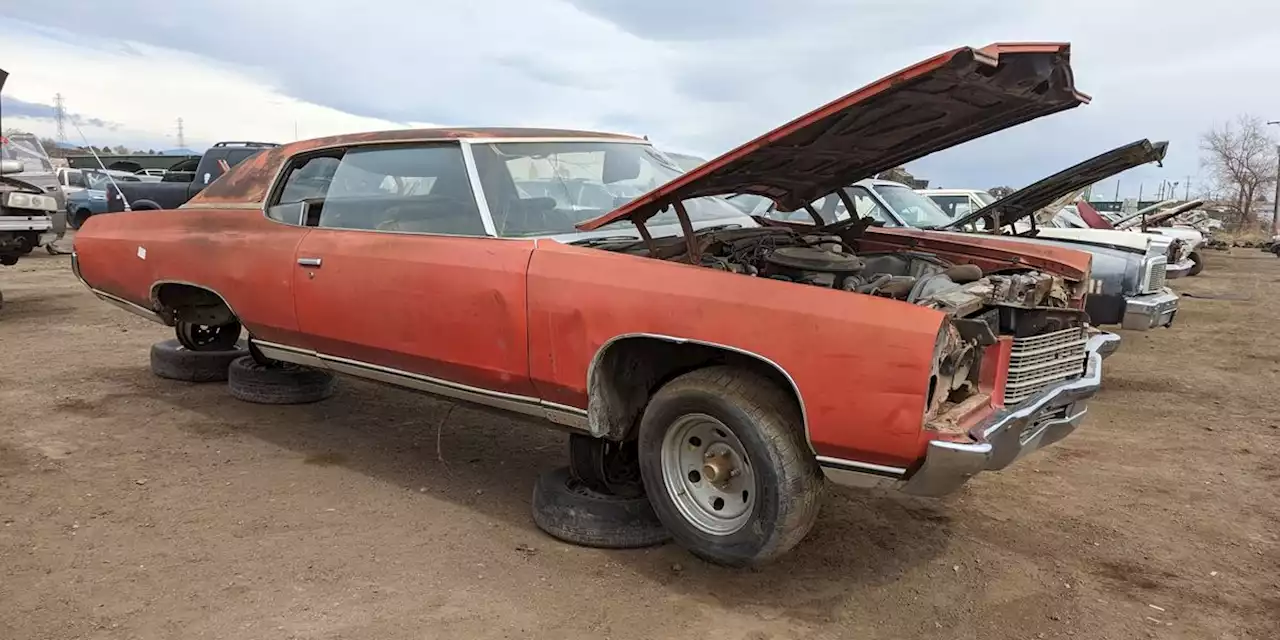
[[27, 150], [984, 197], [98, 180], [546, 188], [914, 209]]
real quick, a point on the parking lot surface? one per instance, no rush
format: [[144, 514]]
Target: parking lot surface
[[135, 507]]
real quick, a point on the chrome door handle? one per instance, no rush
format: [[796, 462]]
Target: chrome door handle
[[309, 262]]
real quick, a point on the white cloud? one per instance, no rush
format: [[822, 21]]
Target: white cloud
[[144, 89]]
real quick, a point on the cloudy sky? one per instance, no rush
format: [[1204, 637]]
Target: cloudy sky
[[695, 76]]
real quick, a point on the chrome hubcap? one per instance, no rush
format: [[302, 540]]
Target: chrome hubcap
[[706, 472]]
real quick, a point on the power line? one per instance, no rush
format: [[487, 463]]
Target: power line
[[60, 116]]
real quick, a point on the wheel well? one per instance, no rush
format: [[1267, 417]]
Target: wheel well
[[177, 301], [627, 371]]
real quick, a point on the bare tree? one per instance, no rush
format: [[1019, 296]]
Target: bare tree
[[1000, 192], [1241, 159]]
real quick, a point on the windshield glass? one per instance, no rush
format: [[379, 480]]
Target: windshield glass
[[98, 181], [984, 197], [914, 209], [27, 150], [545, 188]]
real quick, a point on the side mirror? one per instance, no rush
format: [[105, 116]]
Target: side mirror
[[10, 166]]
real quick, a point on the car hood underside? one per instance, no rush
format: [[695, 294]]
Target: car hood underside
[[941, 102]]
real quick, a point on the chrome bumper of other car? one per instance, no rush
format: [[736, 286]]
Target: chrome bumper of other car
[[1150, 311], [1179, 270], [37, 222], [1005, 436], [1013, 432]]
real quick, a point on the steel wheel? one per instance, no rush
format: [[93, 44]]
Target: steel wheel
[[708, 475], [204, 337]]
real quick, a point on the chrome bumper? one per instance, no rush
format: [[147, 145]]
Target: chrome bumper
[[1013, 432], [1179, 270], [37, 222], [1150, 311]]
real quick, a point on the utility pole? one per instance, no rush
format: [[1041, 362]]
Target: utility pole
[[1188, 184], [182, 138], [60, 116], [1117, 191], [1140, 185], [1275, 213]]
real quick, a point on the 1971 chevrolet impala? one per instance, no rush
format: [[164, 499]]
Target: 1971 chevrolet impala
[[736, 360]]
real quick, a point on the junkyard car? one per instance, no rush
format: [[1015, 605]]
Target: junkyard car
[[739, 362], [1129, 269], [1160, 221]]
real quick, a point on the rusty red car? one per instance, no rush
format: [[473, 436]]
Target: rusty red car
[[581, 280]]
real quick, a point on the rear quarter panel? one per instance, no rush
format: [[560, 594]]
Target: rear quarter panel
[[861, 364], [239, 254]]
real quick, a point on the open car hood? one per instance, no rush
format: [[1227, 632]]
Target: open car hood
[[1160, 216], [1028, 200], [941, 102]]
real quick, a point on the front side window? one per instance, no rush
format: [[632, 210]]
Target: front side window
[[406, 188], [546, 188]]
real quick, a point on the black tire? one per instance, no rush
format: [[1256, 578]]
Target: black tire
[[567, 509], [278, 383], [172, 361], [1197, 264], [78, 218], [145, 205], [767, 422]]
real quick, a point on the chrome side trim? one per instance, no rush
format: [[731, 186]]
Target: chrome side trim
[[477, 190], [285, 353], [595, 363], [128, 306], [563, 415], [862, 467], [224, 205]]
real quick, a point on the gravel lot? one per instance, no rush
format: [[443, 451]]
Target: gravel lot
[[134, 507]]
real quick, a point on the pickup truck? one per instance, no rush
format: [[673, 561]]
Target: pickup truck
[[738, 361], [179, 186], [31, 203]]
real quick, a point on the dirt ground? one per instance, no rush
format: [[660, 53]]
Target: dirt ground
[[134, 507]]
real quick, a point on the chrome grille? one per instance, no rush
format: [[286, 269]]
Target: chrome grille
[[1155, 274], [1039, 361], [1157, 277]]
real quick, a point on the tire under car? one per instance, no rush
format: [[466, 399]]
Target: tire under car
[[277, 383], [172, 361]]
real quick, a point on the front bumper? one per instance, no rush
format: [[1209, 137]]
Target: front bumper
[[39, 222], [1180, 269], [1150, 311], [1013, 432]]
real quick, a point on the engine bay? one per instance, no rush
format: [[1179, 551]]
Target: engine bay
[[830, 261]]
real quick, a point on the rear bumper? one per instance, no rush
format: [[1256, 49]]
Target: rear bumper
[[1013, 432], [1150, 311]]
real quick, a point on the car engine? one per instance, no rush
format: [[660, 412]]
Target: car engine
[[915, 277]]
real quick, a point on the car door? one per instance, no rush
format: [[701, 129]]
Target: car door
[[397, 280]]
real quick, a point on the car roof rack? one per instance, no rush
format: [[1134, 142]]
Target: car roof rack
[[237, 143]]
